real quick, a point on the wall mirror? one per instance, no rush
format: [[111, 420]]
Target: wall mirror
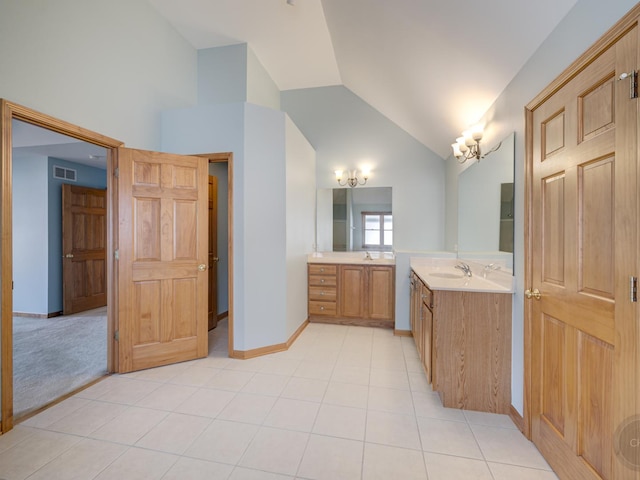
[[485, 204], [341, 216]]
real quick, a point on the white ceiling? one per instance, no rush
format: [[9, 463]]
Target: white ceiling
[[433, 67]]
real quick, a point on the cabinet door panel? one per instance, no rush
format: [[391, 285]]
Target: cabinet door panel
[[352, 291]]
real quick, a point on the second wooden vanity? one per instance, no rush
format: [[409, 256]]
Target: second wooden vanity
[[464, 342], [352, 294]]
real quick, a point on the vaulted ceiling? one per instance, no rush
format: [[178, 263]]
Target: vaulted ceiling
[[433, 67]]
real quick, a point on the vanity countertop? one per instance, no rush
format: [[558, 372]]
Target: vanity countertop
[[440, 274], [351, 258]]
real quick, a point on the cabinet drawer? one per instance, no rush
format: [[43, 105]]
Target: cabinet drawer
[[325, 294], [321, 269], [323, 280], [427, 297], [322, 308]]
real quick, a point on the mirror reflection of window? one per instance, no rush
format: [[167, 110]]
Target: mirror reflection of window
[[378, 230]]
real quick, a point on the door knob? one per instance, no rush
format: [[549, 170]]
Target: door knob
[[202, 267], [535, 293], [69, 255]]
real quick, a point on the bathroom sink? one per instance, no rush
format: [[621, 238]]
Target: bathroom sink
[[446, 275]]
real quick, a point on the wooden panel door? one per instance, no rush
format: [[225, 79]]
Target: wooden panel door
[[163, 248], [583, 226], [381, 292], [212, 315], [84, 238], [352, 291]]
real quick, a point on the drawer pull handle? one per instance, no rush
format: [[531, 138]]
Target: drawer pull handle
[[322, 270], [321, 308], [321, 293], [322, 281]]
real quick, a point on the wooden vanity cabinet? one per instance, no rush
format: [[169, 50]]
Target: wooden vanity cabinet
[[364, 294], [464, 342]]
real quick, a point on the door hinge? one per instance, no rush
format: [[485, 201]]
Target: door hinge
[[116, 254], [633, 289], [116, 335], [633, 82], [116, 172]]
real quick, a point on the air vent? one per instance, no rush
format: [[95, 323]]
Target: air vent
[[62, 173]]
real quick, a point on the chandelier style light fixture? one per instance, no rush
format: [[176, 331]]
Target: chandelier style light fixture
[[468, 145], [352, 178]]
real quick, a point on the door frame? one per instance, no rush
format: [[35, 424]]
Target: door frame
[[627, 22], [8, 112]]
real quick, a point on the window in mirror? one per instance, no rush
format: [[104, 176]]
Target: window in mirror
[[378, 230]]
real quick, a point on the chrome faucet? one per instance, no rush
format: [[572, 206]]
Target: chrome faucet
[[367, 256], [464, 267], [492, 267]]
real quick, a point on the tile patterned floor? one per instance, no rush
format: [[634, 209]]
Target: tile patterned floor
[[342, 403]]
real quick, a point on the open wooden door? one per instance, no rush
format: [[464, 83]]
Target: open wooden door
[[162, 250], [84, 243], [213, 252]]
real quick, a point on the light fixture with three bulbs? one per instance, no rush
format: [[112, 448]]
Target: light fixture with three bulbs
[[352, 178]]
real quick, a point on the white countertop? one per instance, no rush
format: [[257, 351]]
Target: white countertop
[[377, 258], [440, 274]]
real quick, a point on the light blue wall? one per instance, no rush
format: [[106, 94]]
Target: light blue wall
[[30, 219], [566, 43], [86, 177], [108, 66], [299, 222], [222, 74], [348, 133], [261, 89]]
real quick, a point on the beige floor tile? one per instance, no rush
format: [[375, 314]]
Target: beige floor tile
[[274, 450], [206, 402], [214, 361], [382, 462], [242, 473], [429, 405], [347, 395], [446, 467], [249, 365], [162, 374], [12, 438], [139, 464], [348, 374], [232, 380], [389, 378], [86, 459], [449, 438], [195, 376], [55, 413], [314, 369], [280, 365], [35, 451], [193, 469], [292, 414], [509, 472], [390, 400], [167, 397], [308, 389], [223, 442], [393, 429], [328, 458], [175, 433], [343, 422], [88, 418], [128, 390], [507, 445], [489, 419], [248, 408], [353, 359], [418, 382], [130, 426], [266, 384]]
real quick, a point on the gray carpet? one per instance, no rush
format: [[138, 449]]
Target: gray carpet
[[54, 356]]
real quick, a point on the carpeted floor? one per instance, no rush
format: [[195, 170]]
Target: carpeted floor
[[54, 356]]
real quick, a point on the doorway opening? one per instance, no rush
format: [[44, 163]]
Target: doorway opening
[[10, 113]]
